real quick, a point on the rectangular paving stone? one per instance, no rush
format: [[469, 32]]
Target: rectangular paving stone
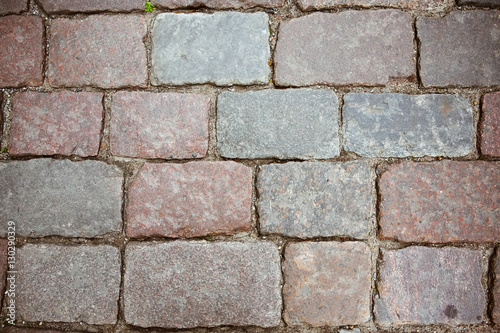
[[496, 290], [190, 284], [223, 48], [13, 6], [22, 51], [64, 123], [460, 49], [46, 197], [64, 6], [58, 283], [190, 200], [159, 125], [350, 47], [327, 283], [93, 52], [422, 285], [292, 123], [406, 4], [329, 199], [480, 2], [440, 202], [490, 124], [218, 4], [399, 125]]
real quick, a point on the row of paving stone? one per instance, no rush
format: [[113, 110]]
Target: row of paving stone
[[232, 48], [272, 123], [184, 284]]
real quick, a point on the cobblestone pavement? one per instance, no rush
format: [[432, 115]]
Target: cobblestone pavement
[[250, 166]]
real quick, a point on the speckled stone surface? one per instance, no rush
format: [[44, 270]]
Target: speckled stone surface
[[68, 283], [189, 284], [490, 125], [64, 6], [189, 200], [406, 4], [218, 4], [291, 123], [117, 57], [351, 47], [22, 51], [13, 6], [494, 3], [316, 199], [159, 125], [460, 49], [59, 197], [444, 201], [327, 283], [223, 48], [399, 125], [4, 244], [63, 123], [422, 285], [496, 290]]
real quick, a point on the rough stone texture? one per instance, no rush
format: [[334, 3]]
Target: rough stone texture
[[490, 125], [12, 329], [443, 201], [400, 125], [68, 283], [316, 199], [22, 51], [13, 6], [351, 47], [3, 263], [64, 123], [59, 197], [460, 49], [218, 4], [62, 6], [421, 285], [93, 52], [223, 48], [410, 4], [293, 123], [166, 125], [189, 200], [189, 284], [480, 2], [327, 283], [496, 291]]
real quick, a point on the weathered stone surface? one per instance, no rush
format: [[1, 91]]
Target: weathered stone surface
[[190, 199], [327, 283], [163, 125], [293, 123], [11, 6], [490, 125], [496, 291], [190, 284], [407, 4], [351, 47], [64, 123], [223, 48], [3, 263], [421, 285], [68, 283], [58, 6], [441, 202], [400, 125], [460, 49], [12, 329], [480, 2], [22, 51], [117, 57], [218, 4], [316, 199], [59, 197]]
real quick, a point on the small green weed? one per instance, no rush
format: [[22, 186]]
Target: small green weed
[[149, 7], [4, 151]]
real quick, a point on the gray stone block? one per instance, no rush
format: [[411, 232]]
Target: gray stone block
[[58, 197], [400, 125], [292, 123], [223, 48], [316, 199]]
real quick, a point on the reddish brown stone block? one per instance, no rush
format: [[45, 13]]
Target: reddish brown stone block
[[167, 125], [57, 6], [12, 6], [65, 123], [440, 202], [496, 291], [490, 130], [218, 4], [189, 200], [100, 50], [407, 4], [327, 283], [422, 285], [21, 51]]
